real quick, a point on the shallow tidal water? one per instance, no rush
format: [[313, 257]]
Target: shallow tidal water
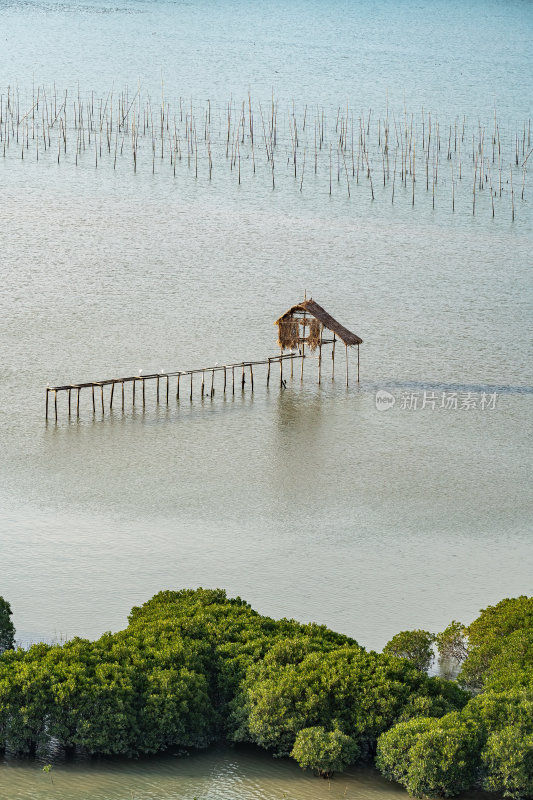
[[309, 502], [232, 774]]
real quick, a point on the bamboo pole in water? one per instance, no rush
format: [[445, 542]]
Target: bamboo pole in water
[[346, 348], [319, 357], [303, 349]]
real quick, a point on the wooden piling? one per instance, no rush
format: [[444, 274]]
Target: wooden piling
[[212, 383], [303, 349], [243, 379], [191, 387], [144, 396], [167, 388], [157, 390], [268, 372], [69, 402], [251, 378], [78, 402], [46, 408], [233, 380], [122, 395], [111, 395], [357, 363], [346, 347], [102, 397], [55, 403], [94, 404], [319, 357], [333, 358], [225, 380], [178, 387]]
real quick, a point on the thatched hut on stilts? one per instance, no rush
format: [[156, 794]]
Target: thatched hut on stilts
[[304, 324]]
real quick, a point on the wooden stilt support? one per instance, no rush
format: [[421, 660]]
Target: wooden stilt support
[[357, 363], [233, 380], [225, 378], [144, 395], [123, 395], [320, 357], [346, 346], [55, 403], [191, 387], [203, 383], [78, 403], [178, 388], [333, 359], [303, 350], [69, 402], [157, 392], [268, 372], [111, 395], [167, 390], [243, 379], [251, 377], [94, 404], [281, 372], [133, 390], [46, 408], [212, 383], [102, 398]]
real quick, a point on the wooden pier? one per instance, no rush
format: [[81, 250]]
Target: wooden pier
[[300, 325], [233, 375]]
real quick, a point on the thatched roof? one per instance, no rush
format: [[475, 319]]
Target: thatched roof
[[313, 309]]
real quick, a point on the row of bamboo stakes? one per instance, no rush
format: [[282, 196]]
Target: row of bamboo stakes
[[162, 382], [393, 150]]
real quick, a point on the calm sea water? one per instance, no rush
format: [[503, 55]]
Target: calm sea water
[[309, 503]]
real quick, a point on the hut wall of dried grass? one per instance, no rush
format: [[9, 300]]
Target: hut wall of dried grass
[[305, 322]]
